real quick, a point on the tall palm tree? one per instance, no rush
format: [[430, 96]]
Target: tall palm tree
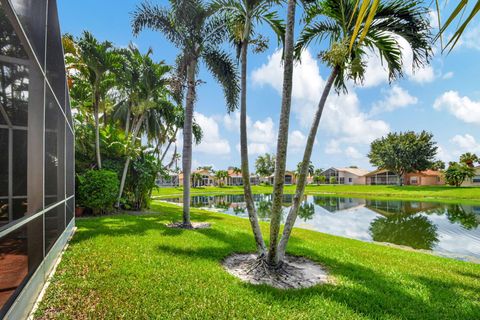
[[97, 62], [192, 28], [148, 99], [244, 16], [282, 140], [351, 32]]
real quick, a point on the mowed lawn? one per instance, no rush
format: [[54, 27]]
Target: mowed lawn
[[424, 193], [134, 267]]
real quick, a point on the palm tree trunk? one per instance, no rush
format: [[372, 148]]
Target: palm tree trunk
[[282, 141], [302, 177], [136, 130], [187, 141], [127, 122], [97, 130], [168, 146], [252, 214]]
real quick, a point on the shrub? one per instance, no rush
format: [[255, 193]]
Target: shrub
[[457, 173], [98, 190]]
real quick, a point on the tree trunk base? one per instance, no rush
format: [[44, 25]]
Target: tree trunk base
[[293, 273], [191, 226]]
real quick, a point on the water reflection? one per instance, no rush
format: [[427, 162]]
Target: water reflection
[[449, 228]]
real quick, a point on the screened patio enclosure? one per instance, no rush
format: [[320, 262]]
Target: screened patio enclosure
[[36, 151]]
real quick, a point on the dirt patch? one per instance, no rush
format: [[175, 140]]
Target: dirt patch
[[194, 225], [295, 272]]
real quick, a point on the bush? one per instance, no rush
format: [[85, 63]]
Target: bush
[[98, 190]]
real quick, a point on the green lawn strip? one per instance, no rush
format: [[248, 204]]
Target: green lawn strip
[[466, 195], [133, 267]]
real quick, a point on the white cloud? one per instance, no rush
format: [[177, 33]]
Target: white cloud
[[376, 73], [395, 98], [333, 147], [352, 152], [466, 143], [211, 143], [342, 116], [297, 140], [461, 107], [470, 38], [448, 75], [261, 134]]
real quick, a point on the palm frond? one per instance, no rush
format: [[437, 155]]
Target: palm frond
[[224, 70]]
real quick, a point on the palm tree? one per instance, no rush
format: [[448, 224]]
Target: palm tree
[[196, 177], [469, 159], [192, 28], [282, 141], [244, 16], [351, 32], [221, 175], [96, 62], [149, 98]]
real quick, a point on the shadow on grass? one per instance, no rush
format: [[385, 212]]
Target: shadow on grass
[[134, 224], [362, 289]]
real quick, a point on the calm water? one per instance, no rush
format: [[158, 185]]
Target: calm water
[[444, 228]]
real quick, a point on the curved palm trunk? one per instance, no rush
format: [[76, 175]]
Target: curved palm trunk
[[302, 177], [187, 142], [168, 146], [97, 131], [136, 130], [252, 214], [282, 141]]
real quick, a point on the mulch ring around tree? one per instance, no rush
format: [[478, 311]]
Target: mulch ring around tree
[[194, 225], [295, 272]]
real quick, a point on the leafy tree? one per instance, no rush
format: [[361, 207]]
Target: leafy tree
[[332, 180], [404, 152], [190, 26], [244, 17], [352, 29], [457, 173], [265, 165], [319, 179], [469, 159]]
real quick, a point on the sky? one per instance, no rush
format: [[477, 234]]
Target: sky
[[442, 98]]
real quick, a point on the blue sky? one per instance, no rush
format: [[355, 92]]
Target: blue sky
[[443, 98]]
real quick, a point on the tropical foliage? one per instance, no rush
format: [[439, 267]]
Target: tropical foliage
[[118, 96]]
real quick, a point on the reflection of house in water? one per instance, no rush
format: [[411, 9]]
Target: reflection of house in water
[[334, 204], [389, 208]]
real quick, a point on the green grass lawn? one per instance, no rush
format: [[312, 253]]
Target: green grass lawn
[[133, 267], [445, 193]]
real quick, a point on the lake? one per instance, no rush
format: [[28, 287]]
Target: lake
[[448, 229]]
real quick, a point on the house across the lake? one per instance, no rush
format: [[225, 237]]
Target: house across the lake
[[170, 179], [290, 178], [350, 176], [421, 178], [475, 181]]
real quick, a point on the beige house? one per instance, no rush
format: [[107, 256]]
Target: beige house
[[475, 181], [349, 176]]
